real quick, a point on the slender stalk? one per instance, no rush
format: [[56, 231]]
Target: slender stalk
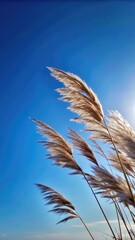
[[127, 217], [99, 204], [124, 173], [123, 170], [85, 226], [131, 213], [109, 225], [123, 219], [118, 210], [114, 199], [118, 218]]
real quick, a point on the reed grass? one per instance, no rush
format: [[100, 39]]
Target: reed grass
[[115, 180]]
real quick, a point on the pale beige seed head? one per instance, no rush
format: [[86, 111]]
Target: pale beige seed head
[[83, 100]]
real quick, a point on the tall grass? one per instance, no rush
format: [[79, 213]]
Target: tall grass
[[113, 181]]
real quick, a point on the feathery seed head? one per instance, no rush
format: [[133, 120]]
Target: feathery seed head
[[83, 100], [61, 204], [59, 150]]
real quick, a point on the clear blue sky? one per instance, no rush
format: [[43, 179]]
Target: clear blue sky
[[95, 40]]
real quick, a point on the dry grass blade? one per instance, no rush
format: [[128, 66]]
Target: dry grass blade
[[61, 204], [121, 136], [122, 133], [52, 135], [66, 219], [83, 100], [99, 149], [106, 183], [59, 150], [62, 211], [80, 144], [128, 163], [99, 132]]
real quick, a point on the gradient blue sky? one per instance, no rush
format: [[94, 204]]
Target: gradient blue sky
[[95, 40]]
